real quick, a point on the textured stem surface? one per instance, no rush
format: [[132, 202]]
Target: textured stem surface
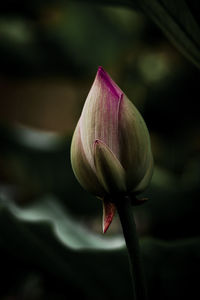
[[125, 212]]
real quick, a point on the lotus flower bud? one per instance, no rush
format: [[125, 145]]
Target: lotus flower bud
[[110, 151]]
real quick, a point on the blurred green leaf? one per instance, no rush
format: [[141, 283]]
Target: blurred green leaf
[[46, 235], [68, 230], [45, 238], [178, 22]]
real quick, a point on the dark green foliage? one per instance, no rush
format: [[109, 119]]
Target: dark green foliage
[[180, 22], [62, 262], [51, 244]]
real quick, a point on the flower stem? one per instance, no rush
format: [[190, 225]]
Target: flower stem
[[125, 213]]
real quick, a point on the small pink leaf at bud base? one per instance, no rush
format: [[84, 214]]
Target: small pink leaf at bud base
[[111, 151], [108, 214]]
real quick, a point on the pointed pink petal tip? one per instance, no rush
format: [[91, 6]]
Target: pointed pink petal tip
[[96, 142], [108, 214], [110, 84]]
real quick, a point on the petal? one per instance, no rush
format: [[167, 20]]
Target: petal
[[99, 118], [108, 214], [145, 180], [81, 167], [135, 152], [109, 171]]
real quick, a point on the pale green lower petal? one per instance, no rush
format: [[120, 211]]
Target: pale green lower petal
[[145, 180], [108, 169], [81, 167]]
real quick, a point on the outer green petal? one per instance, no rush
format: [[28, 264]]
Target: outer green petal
[[135, 150], [108, 169], [145, 180], [81, 167]]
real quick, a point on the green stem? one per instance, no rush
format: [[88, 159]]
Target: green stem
[[125, 212]]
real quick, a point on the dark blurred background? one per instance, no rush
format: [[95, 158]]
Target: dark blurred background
[[49, 55]]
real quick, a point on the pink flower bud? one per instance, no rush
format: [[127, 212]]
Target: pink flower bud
[[111, 152]]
